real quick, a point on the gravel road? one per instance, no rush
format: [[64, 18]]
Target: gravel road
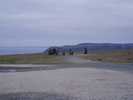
[[85, 81]]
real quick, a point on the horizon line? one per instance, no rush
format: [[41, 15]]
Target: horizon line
[[69, 44]]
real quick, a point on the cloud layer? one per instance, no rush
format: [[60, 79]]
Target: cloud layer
[[58, 22]]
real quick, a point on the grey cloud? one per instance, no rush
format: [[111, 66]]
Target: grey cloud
[[44, 22]]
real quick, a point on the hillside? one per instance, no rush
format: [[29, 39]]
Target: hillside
[[94, 47]]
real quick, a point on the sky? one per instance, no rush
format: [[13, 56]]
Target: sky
[[63, 22]]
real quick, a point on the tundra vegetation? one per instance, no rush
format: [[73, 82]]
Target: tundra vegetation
[[125, 56]]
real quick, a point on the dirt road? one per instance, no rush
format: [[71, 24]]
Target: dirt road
[[77, 81]]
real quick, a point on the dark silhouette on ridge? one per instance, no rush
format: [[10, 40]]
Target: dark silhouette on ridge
[[71, 52], [85, 51]]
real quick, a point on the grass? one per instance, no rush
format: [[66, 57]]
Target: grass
[[6, 60], [40, 58], [30, 59], [114, 57]]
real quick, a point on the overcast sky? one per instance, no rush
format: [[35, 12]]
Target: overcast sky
[[59, 22]]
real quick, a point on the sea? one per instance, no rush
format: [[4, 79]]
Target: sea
[[21, 50]]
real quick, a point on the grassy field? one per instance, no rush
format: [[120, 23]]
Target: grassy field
[[115, 57], [30, 59], [40, 58]]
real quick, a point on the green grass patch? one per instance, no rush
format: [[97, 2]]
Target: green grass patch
[[31, 59], [6, 60]]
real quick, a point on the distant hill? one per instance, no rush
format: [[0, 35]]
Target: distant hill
[[94, 47]]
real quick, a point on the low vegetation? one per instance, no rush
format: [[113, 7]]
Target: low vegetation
[[41, 58], [115, 56], [30, 59]]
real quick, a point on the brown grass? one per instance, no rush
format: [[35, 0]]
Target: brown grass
[[116, 56]]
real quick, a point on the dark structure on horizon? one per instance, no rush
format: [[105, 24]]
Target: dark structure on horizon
[[63, 53], [52, 51], [86, 48], [85, 51], [71, 52]]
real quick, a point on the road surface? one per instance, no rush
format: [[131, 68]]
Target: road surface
[[80, 80]]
